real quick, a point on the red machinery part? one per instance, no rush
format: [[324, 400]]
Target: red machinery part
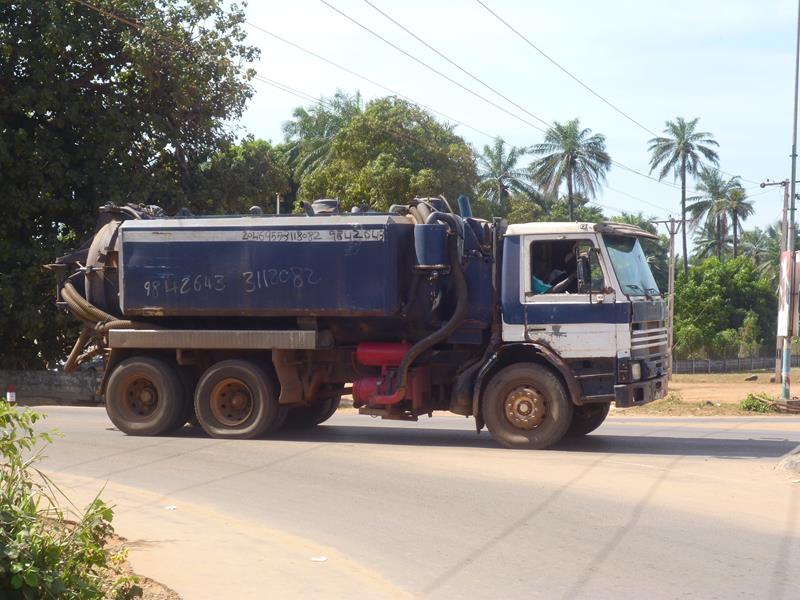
[[371, 391], [381, 354]]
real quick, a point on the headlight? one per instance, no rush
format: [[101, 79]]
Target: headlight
[[636, 371]]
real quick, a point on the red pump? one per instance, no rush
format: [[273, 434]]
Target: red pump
[[377, 390]]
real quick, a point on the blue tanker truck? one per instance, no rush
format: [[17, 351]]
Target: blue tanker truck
[[245, 324]]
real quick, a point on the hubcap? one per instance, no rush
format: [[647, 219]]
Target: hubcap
[[525, 408], [141, 398], [231, 402]]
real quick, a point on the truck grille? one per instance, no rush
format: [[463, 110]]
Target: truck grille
[[649, 340]]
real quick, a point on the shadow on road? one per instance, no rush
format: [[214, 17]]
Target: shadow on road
[[595, 443]]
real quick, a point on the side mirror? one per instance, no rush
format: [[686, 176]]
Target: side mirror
[[584, 274]]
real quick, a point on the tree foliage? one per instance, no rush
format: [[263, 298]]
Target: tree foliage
[[389, 153], [94, 109], [242, 175], [718, 296]]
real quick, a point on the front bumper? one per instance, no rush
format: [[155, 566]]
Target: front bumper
[[641, 392]]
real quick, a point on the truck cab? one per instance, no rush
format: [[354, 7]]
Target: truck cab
[[580, 298]]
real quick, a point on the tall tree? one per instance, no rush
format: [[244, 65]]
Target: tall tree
[[713, 205], [389, 153], [680, 151], [499, 176], [572, 155], [763, 247], [96, 109], [739, 208]]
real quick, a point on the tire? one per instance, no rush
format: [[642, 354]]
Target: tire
[[587, 418], [144, 396], [237, 399], [310, 416], [526, 406]]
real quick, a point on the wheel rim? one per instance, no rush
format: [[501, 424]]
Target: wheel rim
[[525, 408], [140, 398], [231, 402]]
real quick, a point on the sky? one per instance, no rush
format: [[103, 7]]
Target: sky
[[730, 63]]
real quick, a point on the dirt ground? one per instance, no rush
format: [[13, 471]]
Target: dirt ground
[[151, 590], [713, 394], [726, 388]]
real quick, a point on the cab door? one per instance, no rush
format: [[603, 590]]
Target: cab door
[[568, 306]]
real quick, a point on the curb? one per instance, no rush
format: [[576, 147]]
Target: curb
[[791, 461]]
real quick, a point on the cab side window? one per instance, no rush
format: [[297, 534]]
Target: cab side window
[[565, 267]]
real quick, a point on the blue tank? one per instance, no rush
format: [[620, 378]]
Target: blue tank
[[265, 266]]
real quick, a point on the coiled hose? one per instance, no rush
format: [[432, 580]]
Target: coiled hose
[[95, 321]]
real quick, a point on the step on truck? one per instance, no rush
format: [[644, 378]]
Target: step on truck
[[246, 324]]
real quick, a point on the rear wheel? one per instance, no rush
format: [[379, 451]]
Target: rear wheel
[[237, 399], [144, 396], [526, 406], [587, 418]]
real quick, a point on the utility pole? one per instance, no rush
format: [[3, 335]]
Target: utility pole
[[277, 204], [673, 227], [790, 230], [784, 225]]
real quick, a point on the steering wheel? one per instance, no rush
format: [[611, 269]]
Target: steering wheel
[[562, 285]]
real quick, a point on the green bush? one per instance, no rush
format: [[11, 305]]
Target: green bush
[[760, 403], [42, 554]]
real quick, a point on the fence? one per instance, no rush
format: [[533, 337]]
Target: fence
[[728, 365]]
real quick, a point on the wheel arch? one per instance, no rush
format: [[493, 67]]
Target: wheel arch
[[509, 354]]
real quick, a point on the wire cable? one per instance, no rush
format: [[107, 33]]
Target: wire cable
[[436, 71], [367, 79], [581, 83]]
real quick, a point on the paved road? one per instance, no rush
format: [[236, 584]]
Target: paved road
[[654, 507]]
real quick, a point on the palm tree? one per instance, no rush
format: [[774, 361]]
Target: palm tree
[[713, 204], [680, 152], [763, 247], [311, 132], [739, 208], [499, 176], [574, 155], [708, 242]]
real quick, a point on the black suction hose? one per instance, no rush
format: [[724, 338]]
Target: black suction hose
[[443, 333]]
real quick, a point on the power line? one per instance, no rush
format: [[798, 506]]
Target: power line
[[436, 71], [456, 65], [581, 83], [573, 77], [632, 197], [367, 79]]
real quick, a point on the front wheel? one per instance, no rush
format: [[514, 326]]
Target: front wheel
[[526, 406], [587, 418], [237, 399]]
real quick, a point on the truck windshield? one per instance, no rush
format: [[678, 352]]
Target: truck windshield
[[630, 265]]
